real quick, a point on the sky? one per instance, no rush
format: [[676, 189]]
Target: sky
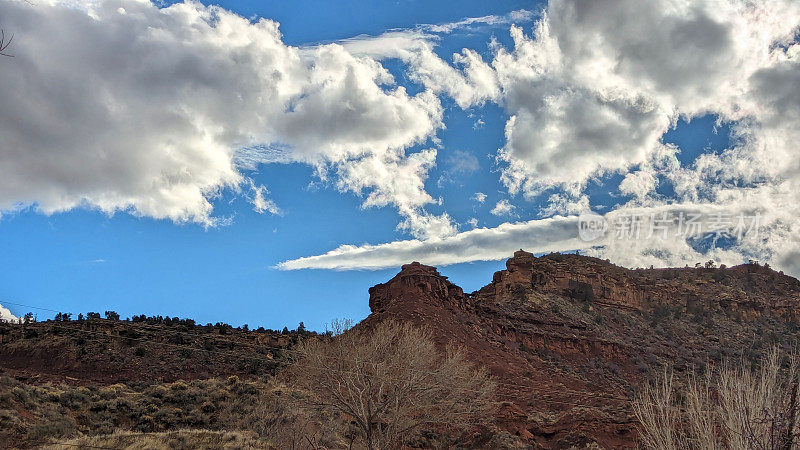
[[266, 162]]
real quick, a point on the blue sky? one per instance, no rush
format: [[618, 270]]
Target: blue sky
[[84, 260], [154, 216]]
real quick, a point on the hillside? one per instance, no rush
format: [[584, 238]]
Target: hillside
[[112, 351], [61, 379], [569, 339]]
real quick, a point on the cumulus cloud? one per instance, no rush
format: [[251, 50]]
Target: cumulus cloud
[[6, 316], [469, 80], [394, 179], [597, 84], [565, 134], [479, 197], [122, 105], [565, 203], [639, 183], [593, 88]]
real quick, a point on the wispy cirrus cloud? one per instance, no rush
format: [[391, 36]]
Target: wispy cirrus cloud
[[518, 16], [670, 244], [503, 208], [480, 244]]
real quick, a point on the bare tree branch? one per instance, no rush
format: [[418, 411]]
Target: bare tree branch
[[4, 44], [393, 383], [735, 408]]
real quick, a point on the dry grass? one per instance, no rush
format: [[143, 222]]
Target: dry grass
[[734, 408], [182, 439]]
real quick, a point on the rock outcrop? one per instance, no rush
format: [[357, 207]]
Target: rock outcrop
[[417, 281], [748, 290], [570, 338]]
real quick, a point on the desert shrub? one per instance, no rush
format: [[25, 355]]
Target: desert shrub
[[41, 431], [72, 399], [61, 411], [52, 424]]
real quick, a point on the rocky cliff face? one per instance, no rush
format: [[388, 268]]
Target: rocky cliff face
[[747, 290], [570, 338], [416, 281]]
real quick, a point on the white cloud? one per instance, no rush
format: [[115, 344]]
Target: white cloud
[[6, 316], [261, 203], [424, 225], [391, 44], [480, 244], [593, 89], [597, 84], [563, 134], [479, 197], [462, 163], [639, 183], [470, 80], [458, 165], [560, 233], [398, 43], [517, 16], [394, 179], [503, 208], [155, 110], [566, 203]]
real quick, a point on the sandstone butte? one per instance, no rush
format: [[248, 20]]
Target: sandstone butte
[[571, 338]]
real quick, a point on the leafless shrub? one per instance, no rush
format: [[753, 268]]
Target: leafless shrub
[[734, 408], [658, 419], [287, 424], [392, 384], [338, 326]]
